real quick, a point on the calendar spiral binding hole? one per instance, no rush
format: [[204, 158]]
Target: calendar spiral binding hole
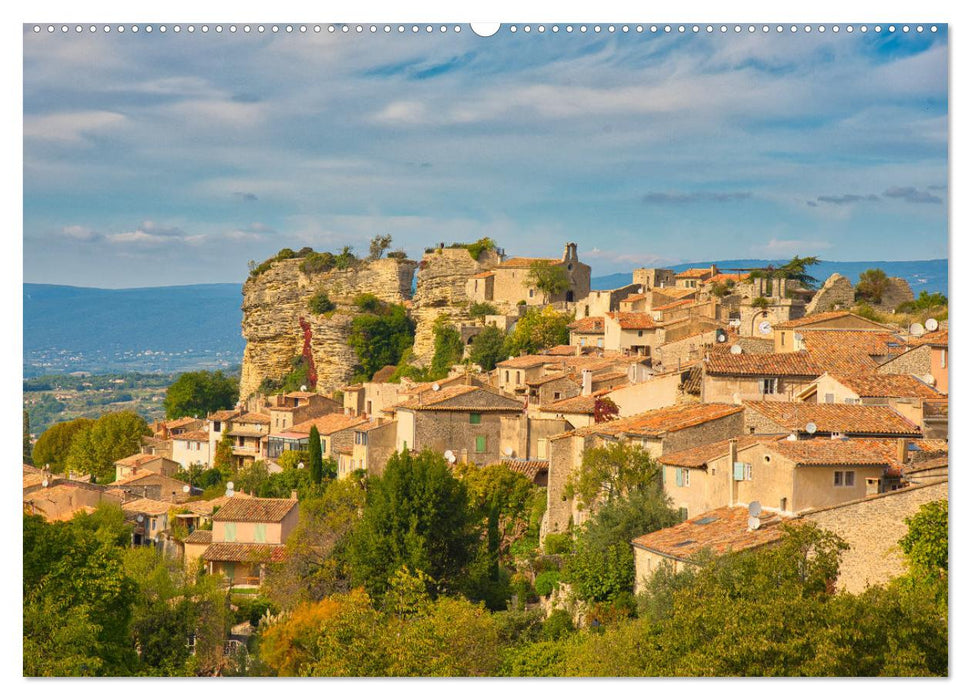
[[417, 29]]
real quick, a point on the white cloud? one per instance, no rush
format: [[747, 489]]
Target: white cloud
[[79, 233], [69, 127], [792, 246]]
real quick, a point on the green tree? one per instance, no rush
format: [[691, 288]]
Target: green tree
[[416, 515], [926, 547], [95, 449], [612, 471], [479, 247], [487, 348], [320, 303], [345, 258], [54, 444], [536, 330], [549, 278], [480, 309], [379, 244], [200, 393], [448, 348], [380, 339], [797, 269], [924, 302], [315, 263], [223, 458], [872, 286], [316, 456]]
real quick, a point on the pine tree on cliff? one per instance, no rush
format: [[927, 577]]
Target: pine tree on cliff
[[316, 456]]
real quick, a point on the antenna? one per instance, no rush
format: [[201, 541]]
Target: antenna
[[931, 324], [736, 349], [755, 509], [916, 329], [811, 428]]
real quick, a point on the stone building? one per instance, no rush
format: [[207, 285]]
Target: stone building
[[374, 443], [856, 420], [651, 278], [927, 359], [286, 410], [509, 282], [730, 377]]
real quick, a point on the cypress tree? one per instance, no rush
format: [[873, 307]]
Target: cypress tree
[[316, 456]]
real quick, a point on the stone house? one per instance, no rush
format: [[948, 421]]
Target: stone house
[[787, 335], [166, 429], [599, 302], [552, 387], [247, 534], [635, 303], [145, 484], [694, 277], [476, 424], [927, 359], [658, 432], [508, 283], [287, 410], [218, 422], [851, 420], [142, 463], [150, 518], [336, 434], [249, 433], [902, 392], [374, 443], [718, 531], [57, 498], [730, 377], [632, 333], [651, 278], [587, 332], [192, 447], [513, 374]]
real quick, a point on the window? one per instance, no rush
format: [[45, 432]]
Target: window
[[216, 426], [682, 477], [530, 293], [683, 513], [830, 398], [556, 396], [480, 443], [783, 338], [583, 342], [769, 385], [741, 471], [229, 532], [837, 478], [640, 334], [259, 532], [849, 478], [600, 342], [541, 448], [784, 505], [507, 376], [475, 418]]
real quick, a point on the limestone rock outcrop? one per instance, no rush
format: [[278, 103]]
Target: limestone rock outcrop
[[897, 292], [275, 302], [836, 293]]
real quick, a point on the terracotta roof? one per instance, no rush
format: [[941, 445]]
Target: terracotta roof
[[633, 321], [692, 272], [634, 297], [662, 420], [193, 435], [383, 374], [483, 275], [561, 351], [589, 324], [576, 404], [207, 507], [825, 451], [237, 552], [888, 385], [608, 376], [526, 262], [702, 455], [199, 537], [148, 506], [692, 383], [720, 531], [373, 425], [301, 394], [551, 378], [674, 305], [180, 422], [824, 316], [835, 417], [523, 362], [723, 277], [327, 424], [674, 292], [139, 475], [472, 398], [255, 510], [936, 338], [850, 351], [777, 364], [529, 468], [252, 418], [223, 415], [137, 460]]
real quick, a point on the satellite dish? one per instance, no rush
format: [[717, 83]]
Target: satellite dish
[[450, 456], [754, 523], [299, 465], [186, 488], [721, 337], [765, 328], [140, 518], [735, 322], [755, 509], [931, 324], [230, 493], [508, 451], [436, 386], [916, 329], [928, 379], [230, 485], [303, 387], [811, 428], [797, 337], [736, 349], [640, 290]]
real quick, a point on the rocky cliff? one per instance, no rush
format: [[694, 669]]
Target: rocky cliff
[[440, 289], [835, 294], [275, 303]]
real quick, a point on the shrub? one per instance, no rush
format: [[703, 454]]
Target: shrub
[[368, 303], [481, 309], [546, 583], [558, 543], [317, 262], [320, 303], [558, 624], [480, 246], [397, 255]]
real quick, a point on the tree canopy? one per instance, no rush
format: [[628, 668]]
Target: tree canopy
[[487, 348], [54, 444], [872, 285], [547, 277], [380, 336], [96, 447], [200, 393], [538, 329]]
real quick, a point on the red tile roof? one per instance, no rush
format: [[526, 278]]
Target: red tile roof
[[661, 421], [702, 455], [199, 537], [148, 506], [137, 460], [937, 338], [849, 419], [327, 424], [236, 552], [674, 305], [693, 272], [826, 451], [633, 321], [827, 316], [260, 418], [529, 468], [255, 510], [523, 362], [888, 385], [590, 324], [474, 399], [720, 531], [778, 364], [193, 435], [223, 415]]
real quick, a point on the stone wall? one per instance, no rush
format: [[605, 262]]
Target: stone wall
[[836, 293], [916, 361], [873, 527], [275, 301], [440, 289]]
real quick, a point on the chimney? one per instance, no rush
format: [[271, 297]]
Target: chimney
[[293, 494], [587, 382], [902, 450]]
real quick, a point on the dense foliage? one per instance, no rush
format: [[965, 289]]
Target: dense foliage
[[872, 286], [379, 336], [320, 303], [448, 348], [96, 447], [538, 329], [548, 278], [198, 394], [488, 348], [53, 445]]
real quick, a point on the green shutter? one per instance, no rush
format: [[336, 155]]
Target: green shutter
[[230, 530], [259, 532], [480, 443], [739, 471], [475, 418], [679, 477]]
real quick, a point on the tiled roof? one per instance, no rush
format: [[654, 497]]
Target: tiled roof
[[236, 552], [260, 418], [723, 277], [137, 460], [888, 385], [327, 424], [199, 537], [674, 292], [692, 384], [835, 417], [526, 262], [483, 275], [193, 435], [207, 507], [590, 324], [825, 451], [523, 362], [139, 475], [674, 305], [634, 297], [550, 378], [633, 321], [463, 398], [850, 351], [561, 351], [702, 455], [255, 510], [149, 506], [576, 404], [373, 425], [824, 316], [662, 420], [383, 374], [300, 394], [720, 531], [529, 468], [777, 364], [608, 376], [937, 338], [693, 272], [223, 415], [180, 422]]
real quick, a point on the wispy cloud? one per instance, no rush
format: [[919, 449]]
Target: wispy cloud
[[150, 234], [69, 127], [912, 195], [776, 247], [693, 197], [847, 198]]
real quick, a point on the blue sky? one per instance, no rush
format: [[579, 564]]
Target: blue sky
[[155, 159]]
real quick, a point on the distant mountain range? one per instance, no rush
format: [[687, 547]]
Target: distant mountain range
[[177, 329], [929, 275]]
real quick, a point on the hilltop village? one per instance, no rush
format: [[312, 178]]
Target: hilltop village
[[758, 400]]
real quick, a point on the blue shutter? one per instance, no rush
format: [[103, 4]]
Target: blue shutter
[[679, 477], [739, 471]]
